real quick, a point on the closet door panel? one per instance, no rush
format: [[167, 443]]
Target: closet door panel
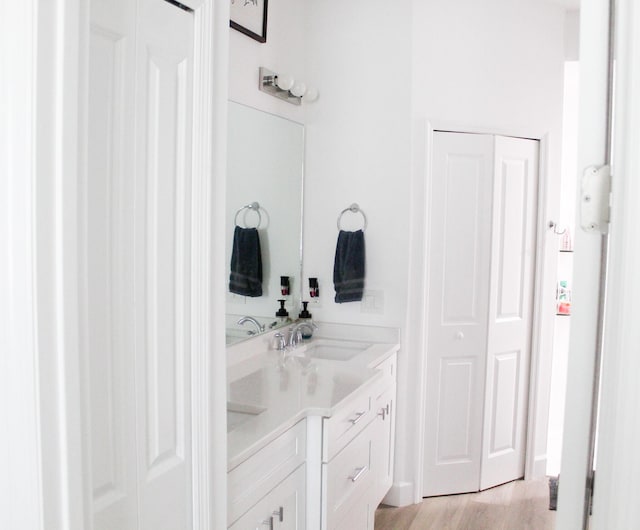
[[459, 243], [510, 310]]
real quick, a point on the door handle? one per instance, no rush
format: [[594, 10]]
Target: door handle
[[268, 522], [359, 416]]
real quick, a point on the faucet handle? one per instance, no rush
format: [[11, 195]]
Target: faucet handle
[[295, 337], [281, 343]]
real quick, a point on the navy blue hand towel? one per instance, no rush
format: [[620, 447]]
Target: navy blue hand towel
[[348, 268], [246, 263]]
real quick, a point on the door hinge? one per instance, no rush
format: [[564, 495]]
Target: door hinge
[[595, 197]]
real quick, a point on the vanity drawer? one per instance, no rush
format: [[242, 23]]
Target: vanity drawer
[[252, 479], [347, 477], [345, 424]]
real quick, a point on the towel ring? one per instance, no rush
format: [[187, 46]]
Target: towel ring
[[253, 206], [354, 208]]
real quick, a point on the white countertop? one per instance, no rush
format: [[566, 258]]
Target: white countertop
[[291, 389]]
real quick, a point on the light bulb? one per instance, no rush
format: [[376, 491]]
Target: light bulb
[[298, 89], [284, 81], [311, 95]]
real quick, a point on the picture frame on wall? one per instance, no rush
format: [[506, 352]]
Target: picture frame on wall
[[250, 17]]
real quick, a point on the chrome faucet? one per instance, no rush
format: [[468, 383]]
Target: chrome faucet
[[259, 327], [295, 334]]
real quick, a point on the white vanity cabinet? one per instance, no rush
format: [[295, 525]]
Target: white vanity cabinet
[[267, 490], [283, 508], [358, 452], [328, 471]]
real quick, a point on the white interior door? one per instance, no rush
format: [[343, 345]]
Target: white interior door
[[480, 292], [459, 249], [510, 310], [135, 264]]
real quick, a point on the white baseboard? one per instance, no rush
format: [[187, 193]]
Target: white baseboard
[[400, 494]]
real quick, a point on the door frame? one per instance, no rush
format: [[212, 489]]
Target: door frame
[[53, 150], [540, 366]]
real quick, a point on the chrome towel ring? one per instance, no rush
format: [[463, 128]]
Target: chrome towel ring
[[354, 208], [253, 206]]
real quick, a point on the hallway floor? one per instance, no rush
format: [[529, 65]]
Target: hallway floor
[[516, 505]]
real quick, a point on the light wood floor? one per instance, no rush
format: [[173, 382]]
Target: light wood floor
[[517, 505]]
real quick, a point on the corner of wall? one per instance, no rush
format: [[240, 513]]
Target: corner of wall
[[400, 494]]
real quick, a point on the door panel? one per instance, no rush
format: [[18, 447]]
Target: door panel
[[162, 249], [504, 379], [463, 199], [106, 265], [510, 310], [459, 245], [135, 264]]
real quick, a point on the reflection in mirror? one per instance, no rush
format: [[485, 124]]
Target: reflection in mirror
[[265, 166]]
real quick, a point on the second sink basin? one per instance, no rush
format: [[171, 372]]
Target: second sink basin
[[238, 413], [335, 350]]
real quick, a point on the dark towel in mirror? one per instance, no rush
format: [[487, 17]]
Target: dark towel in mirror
[[348, 268], [246, 263]]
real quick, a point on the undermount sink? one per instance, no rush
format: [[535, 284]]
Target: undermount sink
[[336, 350], [238, 413]]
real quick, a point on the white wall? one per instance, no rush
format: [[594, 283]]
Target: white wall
[[358, 147], [282, 53]]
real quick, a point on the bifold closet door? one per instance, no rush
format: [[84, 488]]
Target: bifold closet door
[[510, 310], [480, 291], [135, 265], [460, 217]]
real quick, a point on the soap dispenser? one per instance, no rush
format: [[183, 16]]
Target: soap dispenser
[[282, 313], [305, 316]]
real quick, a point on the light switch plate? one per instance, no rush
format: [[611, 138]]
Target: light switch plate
[[372, 302]]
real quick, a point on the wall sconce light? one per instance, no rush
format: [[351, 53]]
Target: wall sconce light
[[285, 87]]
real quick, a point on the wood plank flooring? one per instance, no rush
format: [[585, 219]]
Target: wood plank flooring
[[516, 505]]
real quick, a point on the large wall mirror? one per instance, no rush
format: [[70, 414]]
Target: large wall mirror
[[265, 166]]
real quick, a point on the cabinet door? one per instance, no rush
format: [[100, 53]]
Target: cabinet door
[[383, 443], [358, 517], [283, 508]]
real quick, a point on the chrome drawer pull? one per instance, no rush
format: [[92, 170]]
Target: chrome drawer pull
[[359, 472], [268, 522], [359, 416]]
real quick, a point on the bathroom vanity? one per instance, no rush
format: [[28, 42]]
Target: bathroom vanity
[[311, 432]]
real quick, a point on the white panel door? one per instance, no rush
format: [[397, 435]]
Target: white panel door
[[510, 310], [106, 266], [459, 273], [135, 268], [162, 267], [480, 302]]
